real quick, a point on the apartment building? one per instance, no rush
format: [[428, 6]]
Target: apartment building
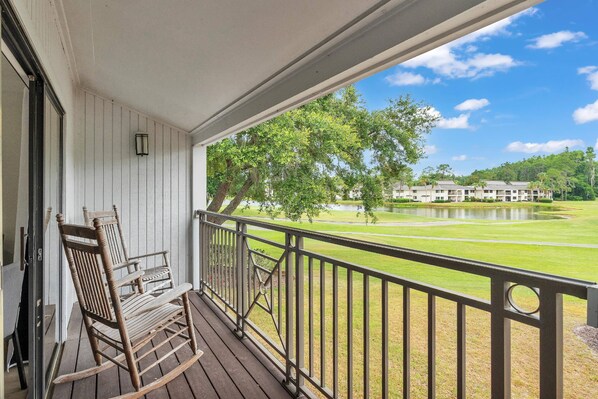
[[447, 190]]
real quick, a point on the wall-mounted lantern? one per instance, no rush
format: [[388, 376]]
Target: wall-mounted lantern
[[141, 143]]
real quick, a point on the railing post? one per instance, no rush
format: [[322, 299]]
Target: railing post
[[289, 307], [500, 340], [241, 256], [551, 344], [201, 258], [300, 347], [593, 306]]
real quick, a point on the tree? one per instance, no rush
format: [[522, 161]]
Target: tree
[[298, 162], [591, 166]]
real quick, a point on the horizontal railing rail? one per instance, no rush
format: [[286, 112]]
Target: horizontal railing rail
[[287, 300]]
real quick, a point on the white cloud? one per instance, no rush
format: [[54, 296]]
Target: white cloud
[[592, 72], [586, 114], [548, 147], [556, 39], [461, 59], [405, 79], [473, 104], [457, 122], [459, 158], [430, 149]]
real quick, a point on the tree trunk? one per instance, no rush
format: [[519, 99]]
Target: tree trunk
[[234, 204], [220, 196]]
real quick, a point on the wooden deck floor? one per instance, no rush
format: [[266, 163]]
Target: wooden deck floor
[[229, 369]]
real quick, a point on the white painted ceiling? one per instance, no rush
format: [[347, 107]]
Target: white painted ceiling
[[214, 67], [184, 60]]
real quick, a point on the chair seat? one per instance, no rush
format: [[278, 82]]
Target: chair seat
[[144, 324], [156, 273]]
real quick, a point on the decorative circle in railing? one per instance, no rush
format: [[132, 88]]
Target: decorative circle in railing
[[516, 292]]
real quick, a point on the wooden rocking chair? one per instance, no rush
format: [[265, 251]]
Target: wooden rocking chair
[[160, 276], [126, 324]]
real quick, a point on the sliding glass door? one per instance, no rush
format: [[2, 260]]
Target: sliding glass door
[[31, 195]]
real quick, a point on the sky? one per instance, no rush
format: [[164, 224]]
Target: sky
[[524, 86]]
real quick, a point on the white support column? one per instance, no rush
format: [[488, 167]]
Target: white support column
[[199, 186]]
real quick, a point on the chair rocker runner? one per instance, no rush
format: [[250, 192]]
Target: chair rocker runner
[[126, 324], [160, 277]]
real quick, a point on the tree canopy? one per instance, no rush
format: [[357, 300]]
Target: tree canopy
[[570, 174], [300, 161]]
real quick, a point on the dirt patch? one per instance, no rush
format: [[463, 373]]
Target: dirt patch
[[589, 335]]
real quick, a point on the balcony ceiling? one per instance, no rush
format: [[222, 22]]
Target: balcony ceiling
[[215, 67]]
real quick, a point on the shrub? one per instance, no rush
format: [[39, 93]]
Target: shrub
[[439, 201], [545, 200], [400, 200]]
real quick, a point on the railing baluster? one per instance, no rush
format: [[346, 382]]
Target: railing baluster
[[366, 336], [431, 346], [279, 295], [461, 351], [500, 340], [335, 329], [551, 344], [289, 307], [300, 294], [322, 323], [384, 339], [310, 287], [349, 334], [406, 343]]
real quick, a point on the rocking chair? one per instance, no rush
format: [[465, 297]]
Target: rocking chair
[[126, 324], [160, 275]]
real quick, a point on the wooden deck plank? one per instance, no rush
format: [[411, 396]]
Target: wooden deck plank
[[179, 387], [69, 353], [216, 373], [268, 379], [227, 370], [152, 374], [233, 367], [108, 385]]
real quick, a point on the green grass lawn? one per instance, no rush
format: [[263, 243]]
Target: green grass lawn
[[580, 226]]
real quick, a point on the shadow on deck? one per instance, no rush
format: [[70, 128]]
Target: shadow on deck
[[230, 368]]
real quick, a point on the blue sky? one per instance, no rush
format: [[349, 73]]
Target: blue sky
[[531, 81]]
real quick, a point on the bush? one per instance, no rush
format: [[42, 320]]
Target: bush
[[439, 201], [545, 200], [400, 200]]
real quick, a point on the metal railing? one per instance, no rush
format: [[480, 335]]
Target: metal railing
[[313, 315]]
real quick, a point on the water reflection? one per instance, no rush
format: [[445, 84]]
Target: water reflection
[[527, 213]]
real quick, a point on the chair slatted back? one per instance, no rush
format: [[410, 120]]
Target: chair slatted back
[[114, 234], [91, 272]]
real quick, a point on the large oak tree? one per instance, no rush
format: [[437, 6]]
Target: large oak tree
[[302, 160]]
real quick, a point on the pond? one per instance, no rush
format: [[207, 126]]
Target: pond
[[523, 213]]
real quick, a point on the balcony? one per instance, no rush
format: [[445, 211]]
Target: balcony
[[280, 313]]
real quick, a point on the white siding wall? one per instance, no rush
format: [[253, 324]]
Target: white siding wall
[[153, 193]]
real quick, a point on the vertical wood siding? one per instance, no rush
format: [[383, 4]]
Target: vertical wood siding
[[153, 192]]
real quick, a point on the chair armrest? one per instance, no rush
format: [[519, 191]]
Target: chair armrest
[[129, 278], [163, 299], [126, 264], [163, 253]]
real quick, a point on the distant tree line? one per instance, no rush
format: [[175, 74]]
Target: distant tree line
[[571, 175]]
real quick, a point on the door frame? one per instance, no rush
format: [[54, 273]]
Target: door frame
[[16, 39]]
